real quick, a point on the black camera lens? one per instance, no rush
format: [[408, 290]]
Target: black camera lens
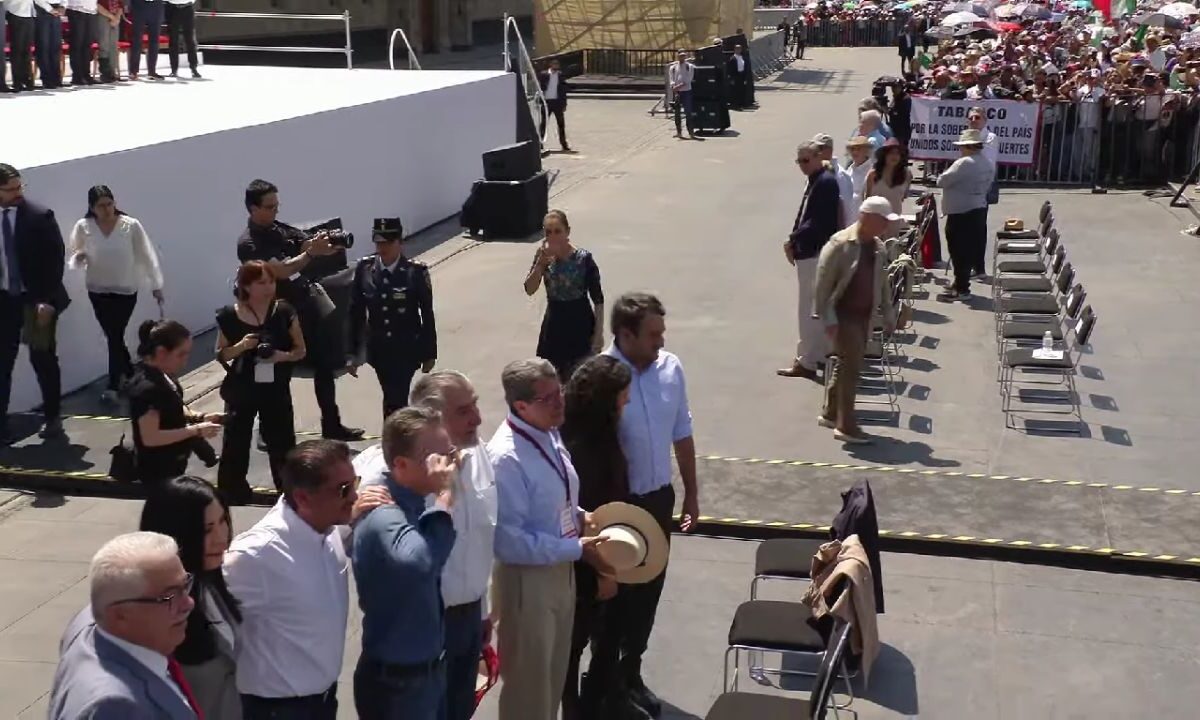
[[264, 351], [341, 238]]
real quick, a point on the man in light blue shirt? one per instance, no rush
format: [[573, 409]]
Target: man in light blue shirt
[[538, 538], [656, 422]]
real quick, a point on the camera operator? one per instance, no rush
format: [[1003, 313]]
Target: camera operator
[[287, 251], [392, 305], [258, 340]]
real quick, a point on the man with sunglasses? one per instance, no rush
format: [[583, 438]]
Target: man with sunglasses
[[291, 577], [818, 219], [119, 666]]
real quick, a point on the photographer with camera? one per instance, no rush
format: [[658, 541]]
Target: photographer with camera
[[287, 251], [391, 315], [258, 340]]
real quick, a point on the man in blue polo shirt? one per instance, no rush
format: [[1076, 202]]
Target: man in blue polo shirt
[[399, 552]]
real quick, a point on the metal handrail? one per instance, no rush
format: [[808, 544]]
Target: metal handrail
[[344, 18], [412, 54], [535, 98]]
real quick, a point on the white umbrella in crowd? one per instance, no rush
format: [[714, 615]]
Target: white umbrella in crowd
[[960, 18], [1180, 10]]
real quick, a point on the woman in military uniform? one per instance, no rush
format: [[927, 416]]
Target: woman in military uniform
[[573, 326], [391, 315]]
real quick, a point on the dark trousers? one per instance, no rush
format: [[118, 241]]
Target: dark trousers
[[395, 380], [581, 699], [558, 109], [464, 646], [738, 90], [383, 695], [683, 103], [272, 403], [181, 22], [48, 41], [44, 362], [3, 38], [82, 35], [147, 20], [113, 311], [629, 618], [313, 707], [979, 259], [323, 364], [966, 233], [21, 30]]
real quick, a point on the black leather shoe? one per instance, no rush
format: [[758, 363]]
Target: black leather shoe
[[343, 433], [53, 428], [643, 696]]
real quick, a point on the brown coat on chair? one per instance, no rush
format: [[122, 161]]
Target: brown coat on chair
[[847, 559]]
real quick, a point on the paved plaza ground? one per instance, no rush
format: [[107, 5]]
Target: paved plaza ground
[[701, 224]]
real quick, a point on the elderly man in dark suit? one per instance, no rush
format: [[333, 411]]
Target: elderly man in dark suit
[[555, 89], [32, 296], [115, 657]]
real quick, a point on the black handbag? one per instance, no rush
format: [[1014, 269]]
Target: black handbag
[[124, 466]]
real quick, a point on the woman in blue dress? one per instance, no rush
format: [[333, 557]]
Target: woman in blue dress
[[573, 326]]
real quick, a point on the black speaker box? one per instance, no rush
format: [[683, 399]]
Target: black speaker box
[[519, 161], [513, 209], [708, 83], [710, 115]]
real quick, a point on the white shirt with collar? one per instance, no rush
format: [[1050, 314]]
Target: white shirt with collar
[[551, 85], [468, 570], [20, 8], [741, 63], [293, 587], [153, 661]]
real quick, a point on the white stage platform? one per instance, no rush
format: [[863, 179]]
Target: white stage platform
[[178, 155]]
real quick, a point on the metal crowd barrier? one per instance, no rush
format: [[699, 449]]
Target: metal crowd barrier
[[1117, 143], [874, 32], [344, 18]]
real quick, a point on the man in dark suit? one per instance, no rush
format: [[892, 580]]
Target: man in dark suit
[[739, 71], [32, 297], [907, 45], [555, 89], [115, 657]]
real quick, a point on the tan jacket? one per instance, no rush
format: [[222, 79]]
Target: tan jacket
[[847, 559], [835, 269]]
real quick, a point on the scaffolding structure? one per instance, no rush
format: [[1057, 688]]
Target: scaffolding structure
[[566, 25]]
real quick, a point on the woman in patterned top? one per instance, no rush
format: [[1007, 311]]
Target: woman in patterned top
[[573, 326]]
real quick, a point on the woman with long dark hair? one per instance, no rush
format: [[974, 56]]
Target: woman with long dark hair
[[258, 341], [165, 431], [573, 326], [596, 394], [890, 178], [197, 517], [118, 259]]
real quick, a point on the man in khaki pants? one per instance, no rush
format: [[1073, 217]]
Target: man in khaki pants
[[851, 286], [538, 538]]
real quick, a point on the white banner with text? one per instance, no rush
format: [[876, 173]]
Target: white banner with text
[[937, 123]]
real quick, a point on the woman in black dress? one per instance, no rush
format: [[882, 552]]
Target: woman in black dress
[[573, 326], [258, 340], [595, 396], [165, 432], [192, 512]]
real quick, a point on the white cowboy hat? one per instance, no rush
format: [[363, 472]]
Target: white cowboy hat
[[636, 546]]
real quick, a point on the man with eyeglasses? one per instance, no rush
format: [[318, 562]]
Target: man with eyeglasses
[[32, 297], [540, 533], [818, 219], [290, 574], [119, 667]]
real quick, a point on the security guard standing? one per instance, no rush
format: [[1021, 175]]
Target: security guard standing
[[392, 304]]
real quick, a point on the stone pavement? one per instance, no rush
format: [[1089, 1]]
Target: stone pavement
[[961, 638]]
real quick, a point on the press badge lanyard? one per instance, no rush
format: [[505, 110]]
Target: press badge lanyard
[[566, 520]]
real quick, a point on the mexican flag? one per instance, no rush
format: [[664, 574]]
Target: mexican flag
[[1119, 7]]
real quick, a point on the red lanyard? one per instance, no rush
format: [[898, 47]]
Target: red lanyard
[[560, 471]]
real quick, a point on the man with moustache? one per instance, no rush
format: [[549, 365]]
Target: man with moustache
[[538, 539], [399, 552], [290, 574], [468, 570], [119, 666], [655, 423]]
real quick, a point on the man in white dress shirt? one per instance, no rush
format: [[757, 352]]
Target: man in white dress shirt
[[468, 570], [118, 666], [48, 41], [81, 15], [20, 16], [290, 574], [554, 90]]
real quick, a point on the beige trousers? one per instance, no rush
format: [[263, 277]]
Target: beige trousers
[[535, 607]]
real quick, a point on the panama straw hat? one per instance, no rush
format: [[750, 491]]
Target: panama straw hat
[[969, 136], [636, 545]]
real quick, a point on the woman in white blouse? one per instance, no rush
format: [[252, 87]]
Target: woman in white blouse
[[118, 259]]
